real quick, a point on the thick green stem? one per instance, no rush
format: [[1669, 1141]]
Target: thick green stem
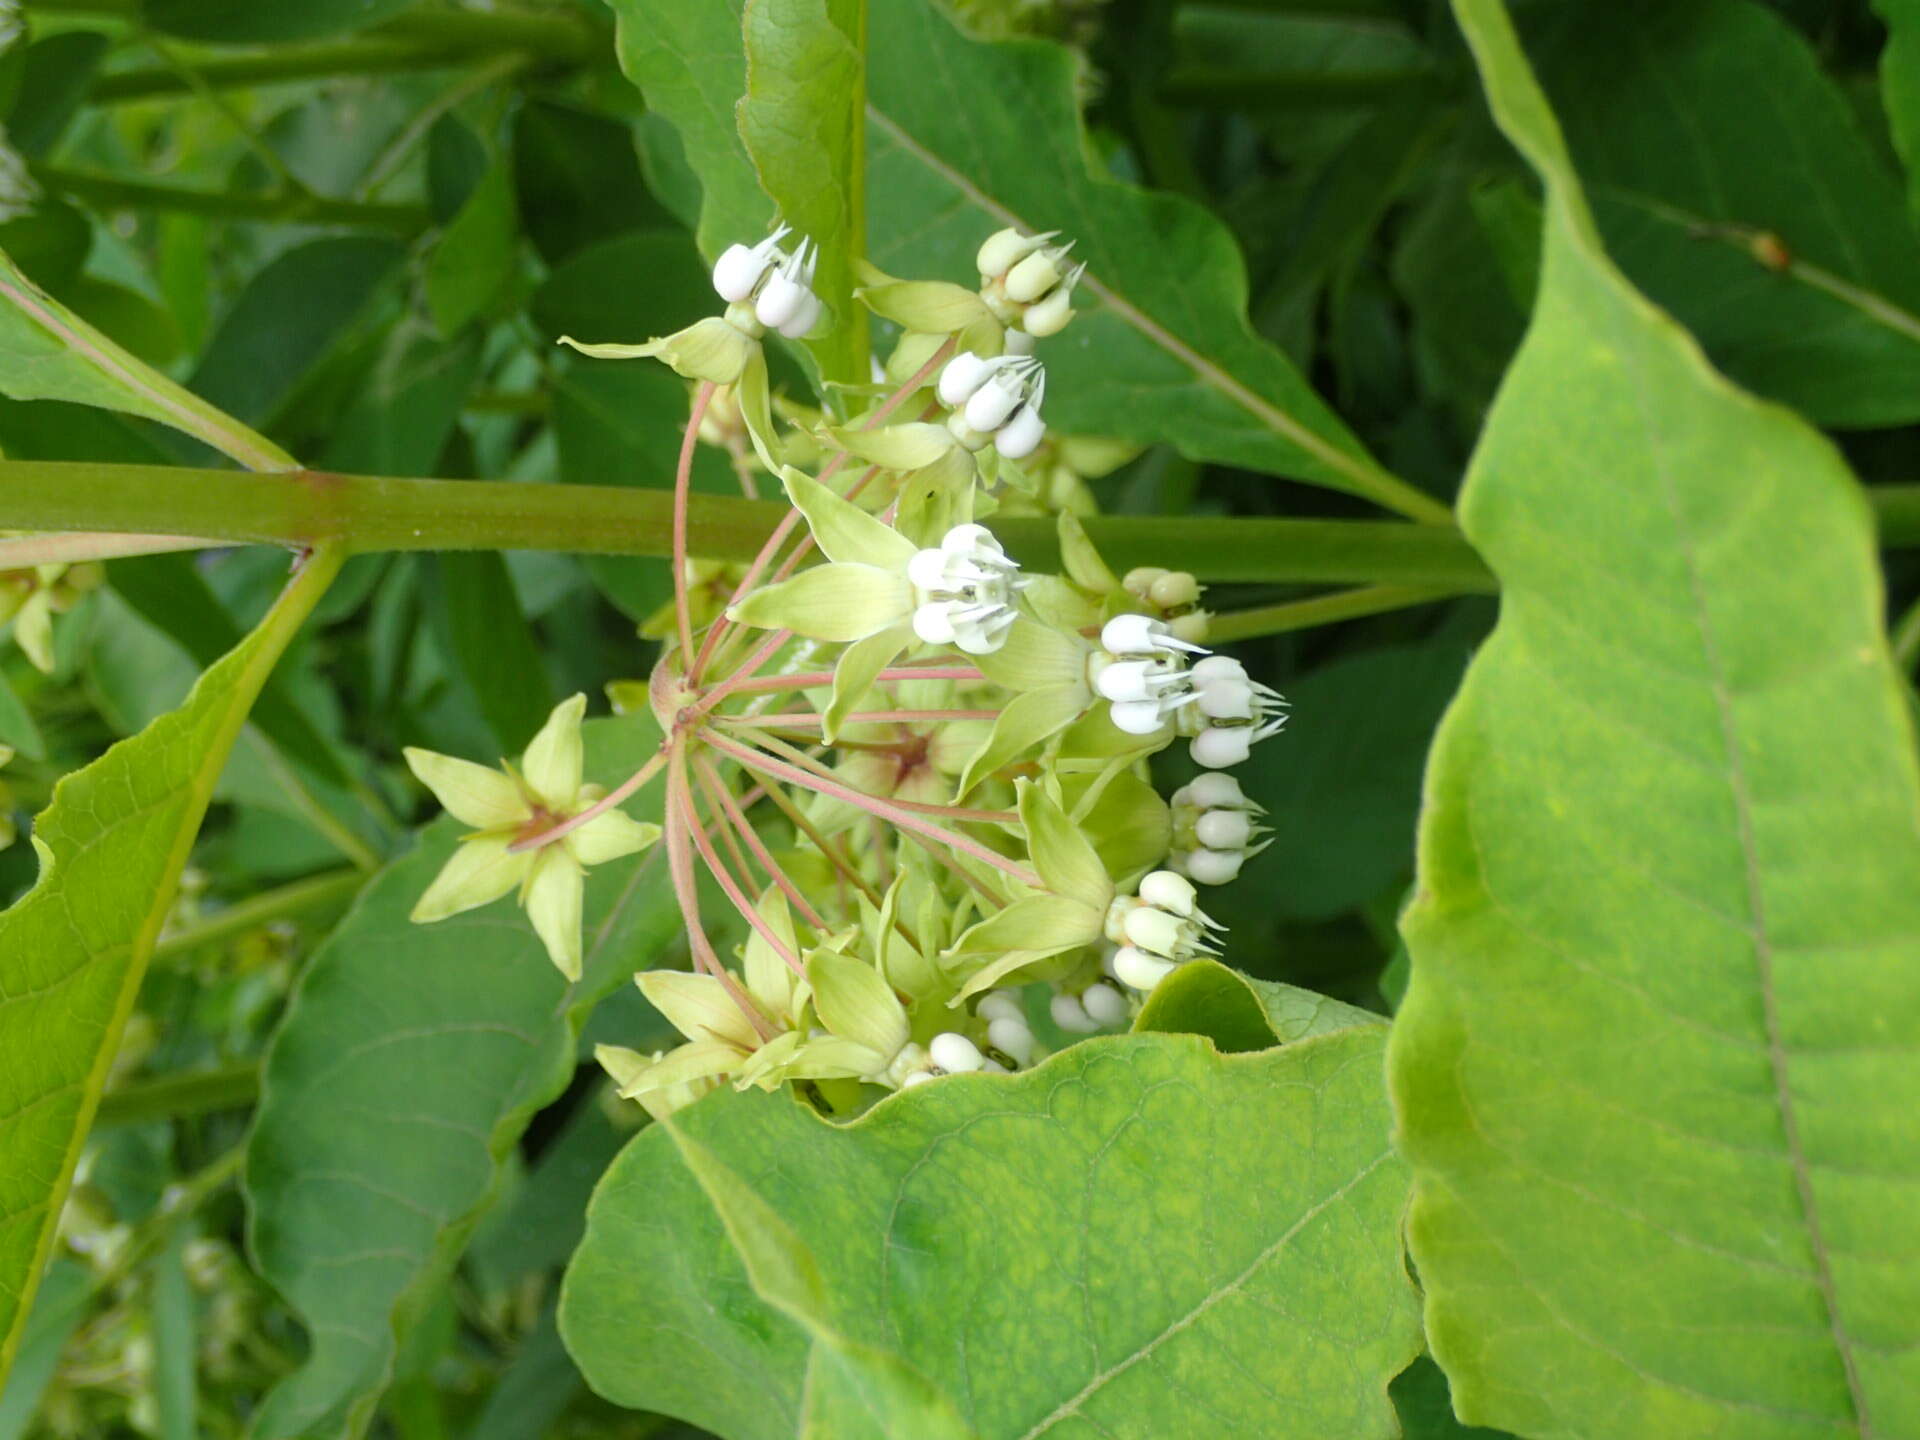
[[111, 192], [429, 40], [170, 1097], [1320, 610], [369, 513]]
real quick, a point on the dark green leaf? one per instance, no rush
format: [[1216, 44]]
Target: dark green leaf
[[634, 286], [1658, 1059], [17, 730], [53, 85], [1426, 1410], [50, 245], [475, 257], [578, 179], [1705, 132], [477, 615], [456, 162], [291, 314]]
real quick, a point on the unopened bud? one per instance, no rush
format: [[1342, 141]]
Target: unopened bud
[[1104, 1005], [1005, 248], [1050, 316], [954, 1053], [1165, 890], [1138, 970], [1070, 1015], [1033, 277], [1174, 590], [1021, 435], [1011, 1037]]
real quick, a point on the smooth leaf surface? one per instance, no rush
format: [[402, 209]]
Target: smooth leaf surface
[[1658, 1060], [1699, 126], [439, 1042], [1240, 1013], [49, 353], [74, 948], [1011, 1240], [803, 122], [965, 138]]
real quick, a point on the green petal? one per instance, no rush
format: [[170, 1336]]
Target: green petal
[[609, 836], [479, 872], [1080, 560], [33, 631], [1064, 857], [698, 1006], [709, 349], [830, 602], [553, 899], [756, 408], [1028, 719], [1037, 655], [769, 978], [844, 531], [556, 757], [1041, 924], [856, 1004], [829, 1057], [936, 306], [473, 794]]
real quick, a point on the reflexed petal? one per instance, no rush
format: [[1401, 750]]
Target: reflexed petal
[[912, 446], [830, 602], [698, 1006], [1029, 718], [553, 901], [856, 1004], [853, 675], [1062, 854], [769, 978], [556, 757], [33, 631], [829, 1057], [1044, 924], [480, 871], [609, 836], [844, 531], [473, 794]]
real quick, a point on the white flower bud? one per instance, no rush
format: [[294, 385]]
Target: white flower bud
[[1224, 829], [1104, 1005], [954, 1053], [1141, 635], [994, 401], [1174, 590], [1155, 931], [1000, 1005], [1004, 248], [918, 1077], [1166, 891], [1033, 276], [1139, 580], [1219, 746], [1215, 867], [1216, 792], [1011, 1037], [1138, 970], [1070, 1015], [803, 322], [963, 375], [1021, 435], [1051, 315]]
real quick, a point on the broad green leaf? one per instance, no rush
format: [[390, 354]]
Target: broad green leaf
[[291, 315], [73, 950], [1240, 1013], [484, 631], [54, 78], [627, 289], [255, 22], [58, 1309], [410, 1060], [402, 419], [1425, 1408], [1900, 85], [802, 120], [578, 179], [49, 353], [1701, 127], [1026, 1219], [965, 137], [1657, 1063], [475, 257]]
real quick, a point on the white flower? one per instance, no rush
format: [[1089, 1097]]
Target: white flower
[[778, 285], [963, 591], [1214, 824], [1158, 930], [998, 398]]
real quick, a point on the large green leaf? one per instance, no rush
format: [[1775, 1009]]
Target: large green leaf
[[1900, 85], [1139, 1237], [409, 1062], [73, 950], [803, 122], [964, 137], [49, 353], [1240, 1013], [1700, 126], [1657, 1066]]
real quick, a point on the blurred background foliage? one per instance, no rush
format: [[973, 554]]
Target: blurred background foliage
[[359, 226]]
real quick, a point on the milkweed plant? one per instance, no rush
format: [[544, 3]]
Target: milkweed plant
[[956, 751]]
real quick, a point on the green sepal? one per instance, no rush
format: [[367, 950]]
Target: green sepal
[[842, 530], [936, 307], [1122, 816], [1036, 656], [909, 447], [1030, 718], [856, 1004], [1081, 560], [709, 349], [854, 674], [838, 602], [752, 395], [1064, 857], [698, 1006]]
